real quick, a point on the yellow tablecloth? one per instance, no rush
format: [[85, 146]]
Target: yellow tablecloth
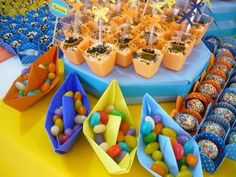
[[26, 151]]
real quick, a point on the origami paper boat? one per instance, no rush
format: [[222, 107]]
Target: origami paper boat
[[150, 107], [112, 96], [36, 79], [73, 84]]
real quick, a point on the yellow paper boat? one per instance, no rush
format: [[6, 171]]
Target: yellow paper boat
[[112, 96]]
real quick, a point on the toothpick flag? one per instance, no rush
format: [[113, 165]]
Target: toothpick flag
[[100, 13]]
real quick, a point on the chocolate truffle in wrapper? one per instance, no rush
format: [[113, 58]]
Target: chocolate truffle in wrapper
[[224, 113], [232, 137], [220, 80], [208, 89], [196, 105], [213, 127], [208, 148], [222, 68], [229, 98]]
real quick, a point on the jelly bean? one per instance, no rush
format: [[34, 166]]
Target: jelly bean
[[163, 165], [104, 117], [119, 158], [52, 68], [63, 138], [124, 126], [104, 146], [169, 175], [69, 93], [78, 104], [157, 118], [146, 128], [69, 132], [25, 82], [55, 117], [158, 169], [51, 76], [157, 155], [150, 138], [168, 132], [99, 138], [20, 86], [45, 87], [109, 108], [94, 119], [124, 146], [55, 130], [131, 141], [82, 110], [100, 128], [149, 119], [158, 128], [30, 93], [42, 66], [182, 139], [184, 168], [178, 151], [120, 136], [37, 91], [79, 119], [48, 80], [118, 113], [60, 124], [58, 112], [21, 92], [191, 160], [188, 147], [184, 174], [151, 147], [173, 141], [77, 126], [78, 96], [182, 162], [131, 131], [114, 150], [25, 71]]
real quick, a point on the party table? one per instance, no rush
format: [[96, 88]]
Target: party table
[[25, 149]]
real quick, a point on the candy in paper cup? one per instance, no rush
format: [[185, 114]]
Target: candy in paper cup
[[151, 108], [73, 84], [112, 96], [36, 78]]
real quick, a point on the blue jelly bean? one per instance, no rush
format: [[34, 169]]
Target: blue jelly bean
[[37, 91], [30, 93], [188, 147], [146, 128], [25, 82], [124, 146], [48, 80], [94, 119]]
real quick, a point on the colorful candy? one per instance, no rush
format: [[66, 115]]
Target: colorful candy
[[151, 147], [178, 151], [94, 119], [191, 160], [168, 132], [114, 150], [79, 119], [213, 127], [196, 105], [208, 148], [55, 130], [188, 147], [225, 113], [229, 98], [146, 128], [208, 89], [151, 137]]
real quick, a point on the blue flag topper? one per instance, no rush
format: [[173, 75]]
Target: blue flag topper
[[59, 8]]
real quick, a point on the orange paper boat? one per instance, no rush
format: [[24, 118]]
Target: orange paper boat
[[36, 78], [4, 54]]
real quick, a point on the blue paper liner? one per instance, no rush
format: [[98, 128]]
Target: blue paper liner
[[208, 164], [227, 90], [71, 83], [217, 119], [231, 148], [7, 47], [212, 46], [28, 52], [150, 107]]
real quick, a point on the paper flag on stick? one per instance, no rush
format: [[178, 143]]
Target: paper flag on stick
[[197, 6], [35, 80], [100, 13], [112, 96]]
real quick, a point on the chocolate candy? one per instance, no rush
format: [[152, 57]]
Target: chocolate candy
[[213, 127], [224, 113], [220, 80], [208, 89], [228, 59], [233, 85], [208, 148], [229, 98], [196, 105], [221, 67], [187, 121], [232, 137]]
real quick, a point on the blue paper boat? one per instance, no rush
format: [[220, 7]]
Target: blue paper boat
[[71, 83], [150, 107]]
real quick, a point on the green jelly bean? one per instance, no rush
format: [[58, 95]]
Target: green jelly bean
[[182, 162], [157, 155], [21, 92], [118, 113], [150, 138]]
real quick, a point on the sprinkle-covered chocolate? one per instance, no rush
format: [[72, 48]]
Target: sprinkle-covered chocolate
[[221, 67], [213, 127], [187, 121], [229, 98], [196, 105], [220, 80], [224, 113], [208, 148], [232, 137], [208, 89]]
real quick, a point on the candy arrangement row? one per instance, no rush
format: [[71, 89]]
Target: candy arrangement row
[[30, 35], [209, 111]]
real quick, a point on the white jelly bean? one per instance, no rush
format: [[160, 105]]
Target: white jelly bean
[[100, 128], [20, 86], [79, 119], [150, 119], [104, 146], [55, 130], [109, 108], [42, 66]]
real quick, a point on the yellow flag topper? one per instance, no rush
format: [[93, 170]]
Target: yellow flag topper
[[100, 13], [159, 5], [133, 3], [76, 6]]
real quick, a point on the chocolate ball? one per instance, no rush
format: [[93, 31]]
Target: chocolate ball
[[208, 148], [213, 127], [187, 121], [216, 78], [224, 113], [221, 67], [229, 98], [233, 85], [232, 138], [196, 105], [228, 59], [208, 89]]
